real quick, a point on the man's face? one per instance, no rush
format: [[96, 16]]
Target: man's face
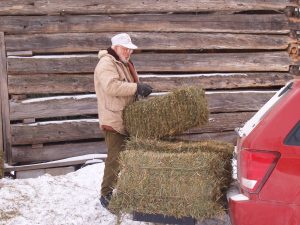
[[124, 53]]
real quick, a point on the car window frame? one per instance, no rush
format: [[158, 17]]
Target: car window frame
[[290, 138]]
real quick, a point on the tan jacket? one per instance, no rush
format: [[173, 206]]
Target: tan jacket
[[115, 88]]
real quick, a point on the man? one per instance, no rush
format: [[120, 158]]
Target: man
[[117, 85]]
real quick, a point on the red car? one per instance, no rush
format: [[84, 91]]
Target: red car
[[268, 164]]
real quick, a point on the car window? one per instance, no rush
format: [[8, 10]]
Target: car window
[[293, 138], [285, 89]]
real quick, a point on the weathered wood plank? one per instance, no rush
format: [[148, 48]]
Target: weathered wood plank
[[59, 83], [26, 154], [148, 62], [4, 100], [2, 157], [235, 101], [53, 83], [55, 131], [87, 42], [54, 107], [212, 62], [238, 23], [294, 23], [228, 136], [87, 129], [1, 129], [38, 7], [1, 132], [19, 53], [211, 81], [84, 83], [221, 122]]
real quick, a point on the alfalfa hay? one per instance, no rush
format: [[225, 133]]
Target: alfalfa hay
[[167, 115], [175, 179]]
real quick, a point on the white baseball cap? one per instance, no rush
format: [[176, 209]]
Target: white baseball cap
[[124, 40]]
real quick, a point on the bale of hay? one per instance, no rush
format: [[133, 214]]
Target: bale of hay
[[167, 115], [174, 179], [1, 164]]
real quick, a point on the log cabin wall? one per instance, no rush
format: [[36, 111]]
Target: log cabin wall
[[241, 52]]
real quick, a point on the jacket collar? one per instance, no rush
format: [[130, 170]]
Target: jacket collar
[[113, 53], [130, 65]]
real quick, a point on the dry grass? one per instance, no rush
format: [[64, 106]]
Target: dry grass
[[7, 215], [177, 179], [167, 115]]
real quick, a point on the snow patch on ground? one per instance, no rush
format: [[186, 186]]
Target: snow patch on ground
[[68, 199], [71, 199]]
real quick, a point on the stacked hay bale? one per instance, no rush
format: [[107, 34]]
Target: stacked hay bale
[[167, 115], [176, 179], [171, 178]]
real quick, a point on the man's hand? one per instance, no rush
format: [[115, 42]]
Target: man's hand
[[144, 89]]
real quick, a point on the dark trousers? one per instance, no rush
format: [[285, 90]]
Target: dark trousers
[[115, 143]]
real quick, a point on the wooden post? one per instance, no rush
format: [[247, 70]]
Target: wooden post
[[1, 146], [1, 142], [6, 135]]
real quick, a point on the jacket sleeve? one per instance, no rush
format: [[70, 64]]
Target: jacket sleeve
[[108, 77]]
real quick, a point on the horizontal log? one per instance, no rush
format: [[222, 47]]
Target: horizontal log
[[19, 53], [153, 62], [214, 81], [228, 136], [53, 83], [53, 107], [87, 42], [27, 154], [294, 23], [225, 23], [84, 83], [239, 101], [38, 7], [45, 132], [52, 131], [221, 122]]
